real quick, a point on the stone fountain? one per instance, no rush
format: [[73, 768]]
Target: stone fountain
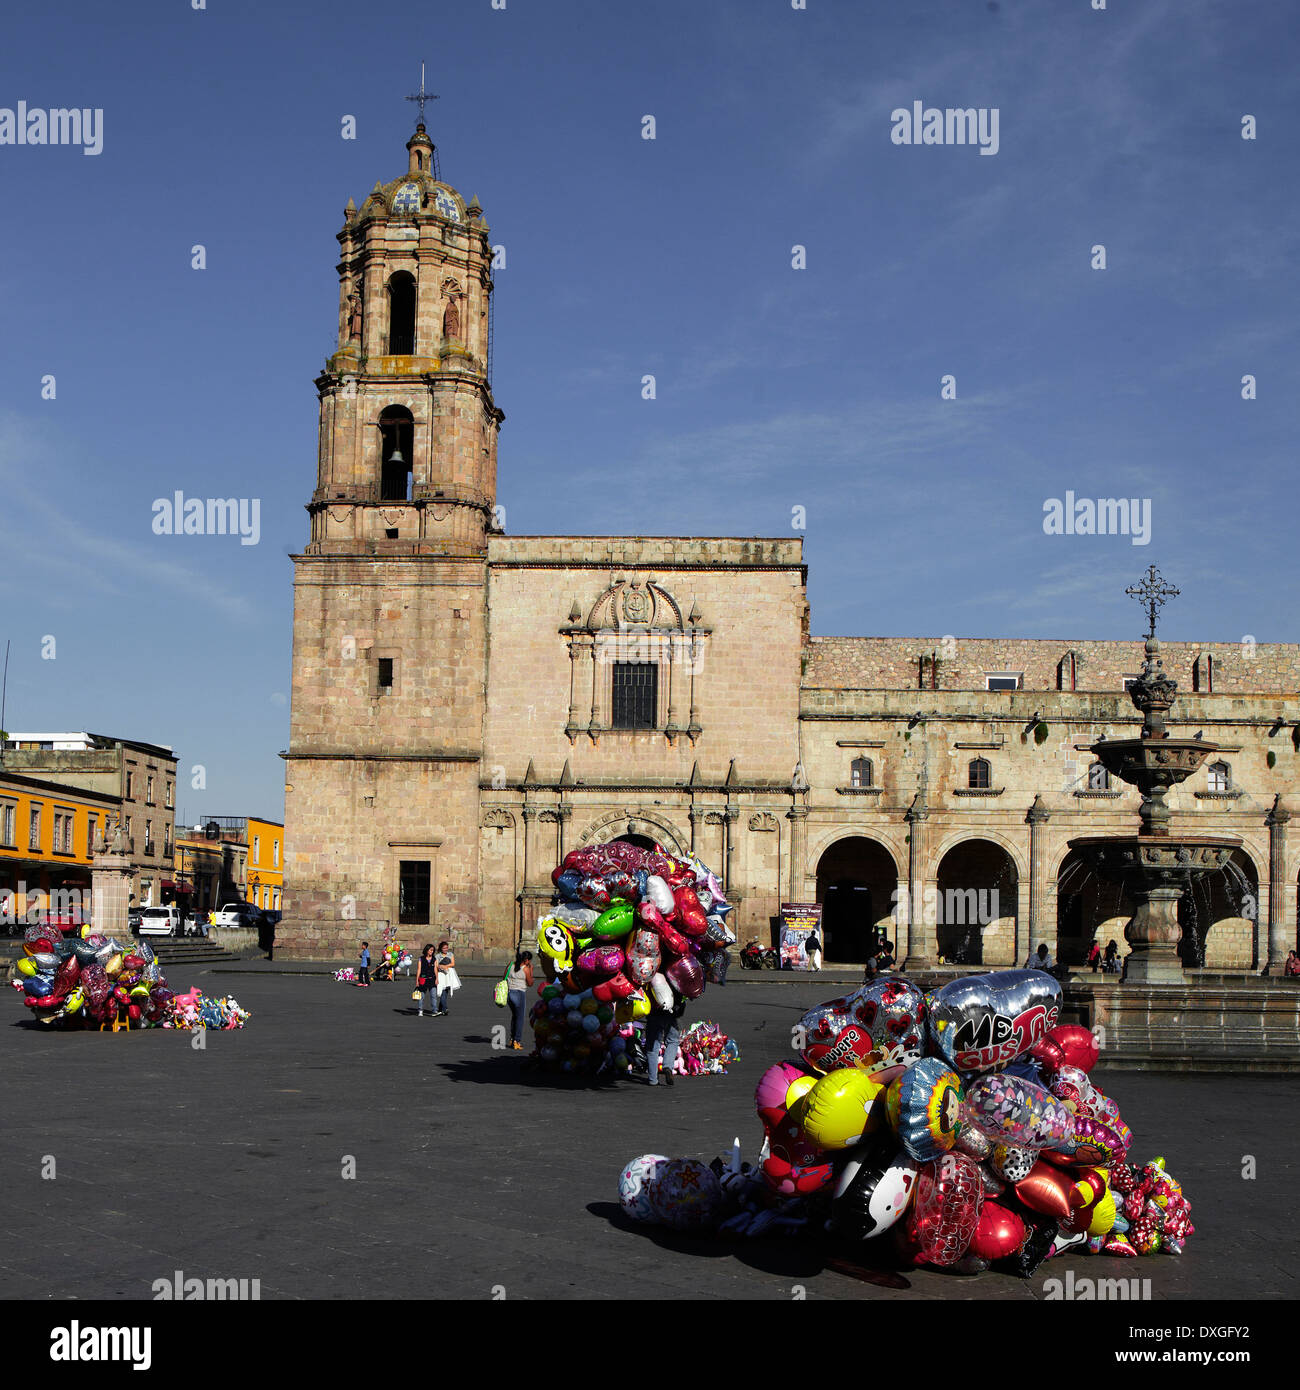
[[1155, 867]]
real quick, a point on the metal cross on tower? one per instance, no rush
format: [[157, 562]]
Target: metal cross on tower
[[421, 96], [1153, 593]]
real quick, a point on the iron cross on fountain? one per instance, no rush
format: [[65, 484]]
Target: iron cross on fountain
[[421, 96], [1153, 593]]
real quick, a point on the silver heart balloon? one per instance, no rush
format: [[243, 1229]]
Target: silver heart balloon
[[980, 1022]]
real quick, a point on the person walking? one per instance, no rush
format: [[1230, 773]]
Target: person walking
[[1094, 955], [426, 980], [1110, 962], [814, 948], [518, 982], [448, 980], [363, 977], [663, 1037]]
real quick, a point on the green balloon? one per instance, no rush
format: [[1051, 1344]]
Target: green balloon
[[616, 920]]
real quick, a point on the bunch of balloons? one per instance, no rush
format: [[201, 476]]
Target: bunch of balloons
[[91, 980], [705, 1048], [195, 1010], [629, 925], [963, 1122]]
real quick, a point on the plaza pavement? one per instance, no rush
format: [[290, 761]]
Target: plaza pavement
[[473, 1181]]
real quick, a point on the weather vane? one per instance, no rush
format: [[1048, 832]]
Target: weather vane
[[1153, 593], [421, 96]]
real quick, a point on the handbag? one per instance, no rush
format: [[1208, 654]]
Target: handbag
[[451, 980], [415, 994]]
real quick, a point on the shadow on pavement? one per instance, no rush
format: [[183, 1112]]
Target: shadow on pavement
[[787, 1257]]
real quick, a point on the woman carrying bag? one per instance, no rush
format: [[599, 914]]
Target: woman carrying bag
[[426, 981], [518, 982], [448, 980]]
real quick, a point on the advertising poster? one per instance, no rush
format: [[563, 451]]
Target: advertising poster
[[798, 922]]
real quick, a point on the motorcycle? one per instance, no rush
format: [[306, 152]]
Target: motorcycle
[[755, 957]]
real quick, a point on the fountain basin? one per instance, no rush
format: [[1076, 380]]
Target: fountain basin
[[1143, 862], [1152, 762], [1155, 871]]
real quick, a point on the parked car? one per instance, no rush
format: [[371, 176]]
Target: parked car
[[133, 918], [160, 921], [236, 915]]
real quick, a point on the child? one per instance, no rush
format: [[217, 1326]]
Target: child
[[363, 980]]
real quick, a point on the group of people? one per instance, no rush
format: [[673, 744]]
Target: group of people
[[435, 982], [1108, 962]]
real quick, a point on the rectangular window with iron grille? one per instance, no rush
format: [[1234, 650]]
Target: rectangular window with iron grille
[[635, 695], [413, 893]]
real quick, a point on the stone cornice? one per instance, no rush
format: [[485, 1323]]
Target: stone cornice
[[344, 755], [771, 789]]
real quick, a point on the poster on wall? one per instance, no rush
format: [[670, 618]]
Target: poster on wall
[[798, 922]]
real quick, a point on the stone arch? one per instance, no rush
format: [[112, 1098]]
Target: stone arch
[[614, 826], [401, 313], [397, 450], [1016, 850], [1088, 904], [882, 834], [857, 879], [977, 892], [1220, 917]]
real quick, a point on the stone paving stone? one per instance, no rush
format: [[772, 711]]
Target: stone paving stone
[[226, 1162]]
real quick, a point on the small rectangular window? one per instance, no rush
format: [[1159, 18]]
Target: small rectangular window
[[91, 823], [7, 826], [385, 674], [1002, 681], [34, 829], [413, 893], [275, 853], [634, 695]]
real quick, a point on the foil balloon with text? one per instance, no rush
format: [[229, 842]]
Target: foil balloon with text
[[981, 1022]]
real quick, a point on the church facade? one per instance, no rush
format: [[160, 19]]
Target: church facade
[[468, 706]]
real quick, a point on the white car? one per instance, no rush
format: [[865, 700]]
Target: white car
[[160, 921], [236, 915]]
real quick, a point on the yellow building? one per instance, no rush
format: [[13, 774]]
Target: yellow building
[[265, 863], [48, 836]]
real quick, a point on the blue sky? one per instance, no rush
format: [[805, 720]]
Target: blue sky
[[776, 388]]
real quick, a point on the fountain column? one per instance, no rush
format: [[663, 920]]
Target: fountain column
[[1036, 818], [923, 943], [1279, 931]]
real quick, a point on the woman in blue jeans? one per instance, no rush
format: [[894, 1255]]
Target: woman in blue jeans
[[663, 1034], [518, 982]]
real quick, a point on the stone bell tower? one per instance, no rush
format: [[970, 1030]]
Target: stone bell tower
[[389, 646]]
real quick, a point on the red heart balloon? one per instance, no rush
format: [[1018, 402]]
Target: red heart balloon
[[999, 1232], [1047, 1190]]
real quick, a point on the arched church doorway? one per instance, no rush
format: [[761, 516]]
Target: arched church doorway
[[640, 841], [975, 904], [856, 882]]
